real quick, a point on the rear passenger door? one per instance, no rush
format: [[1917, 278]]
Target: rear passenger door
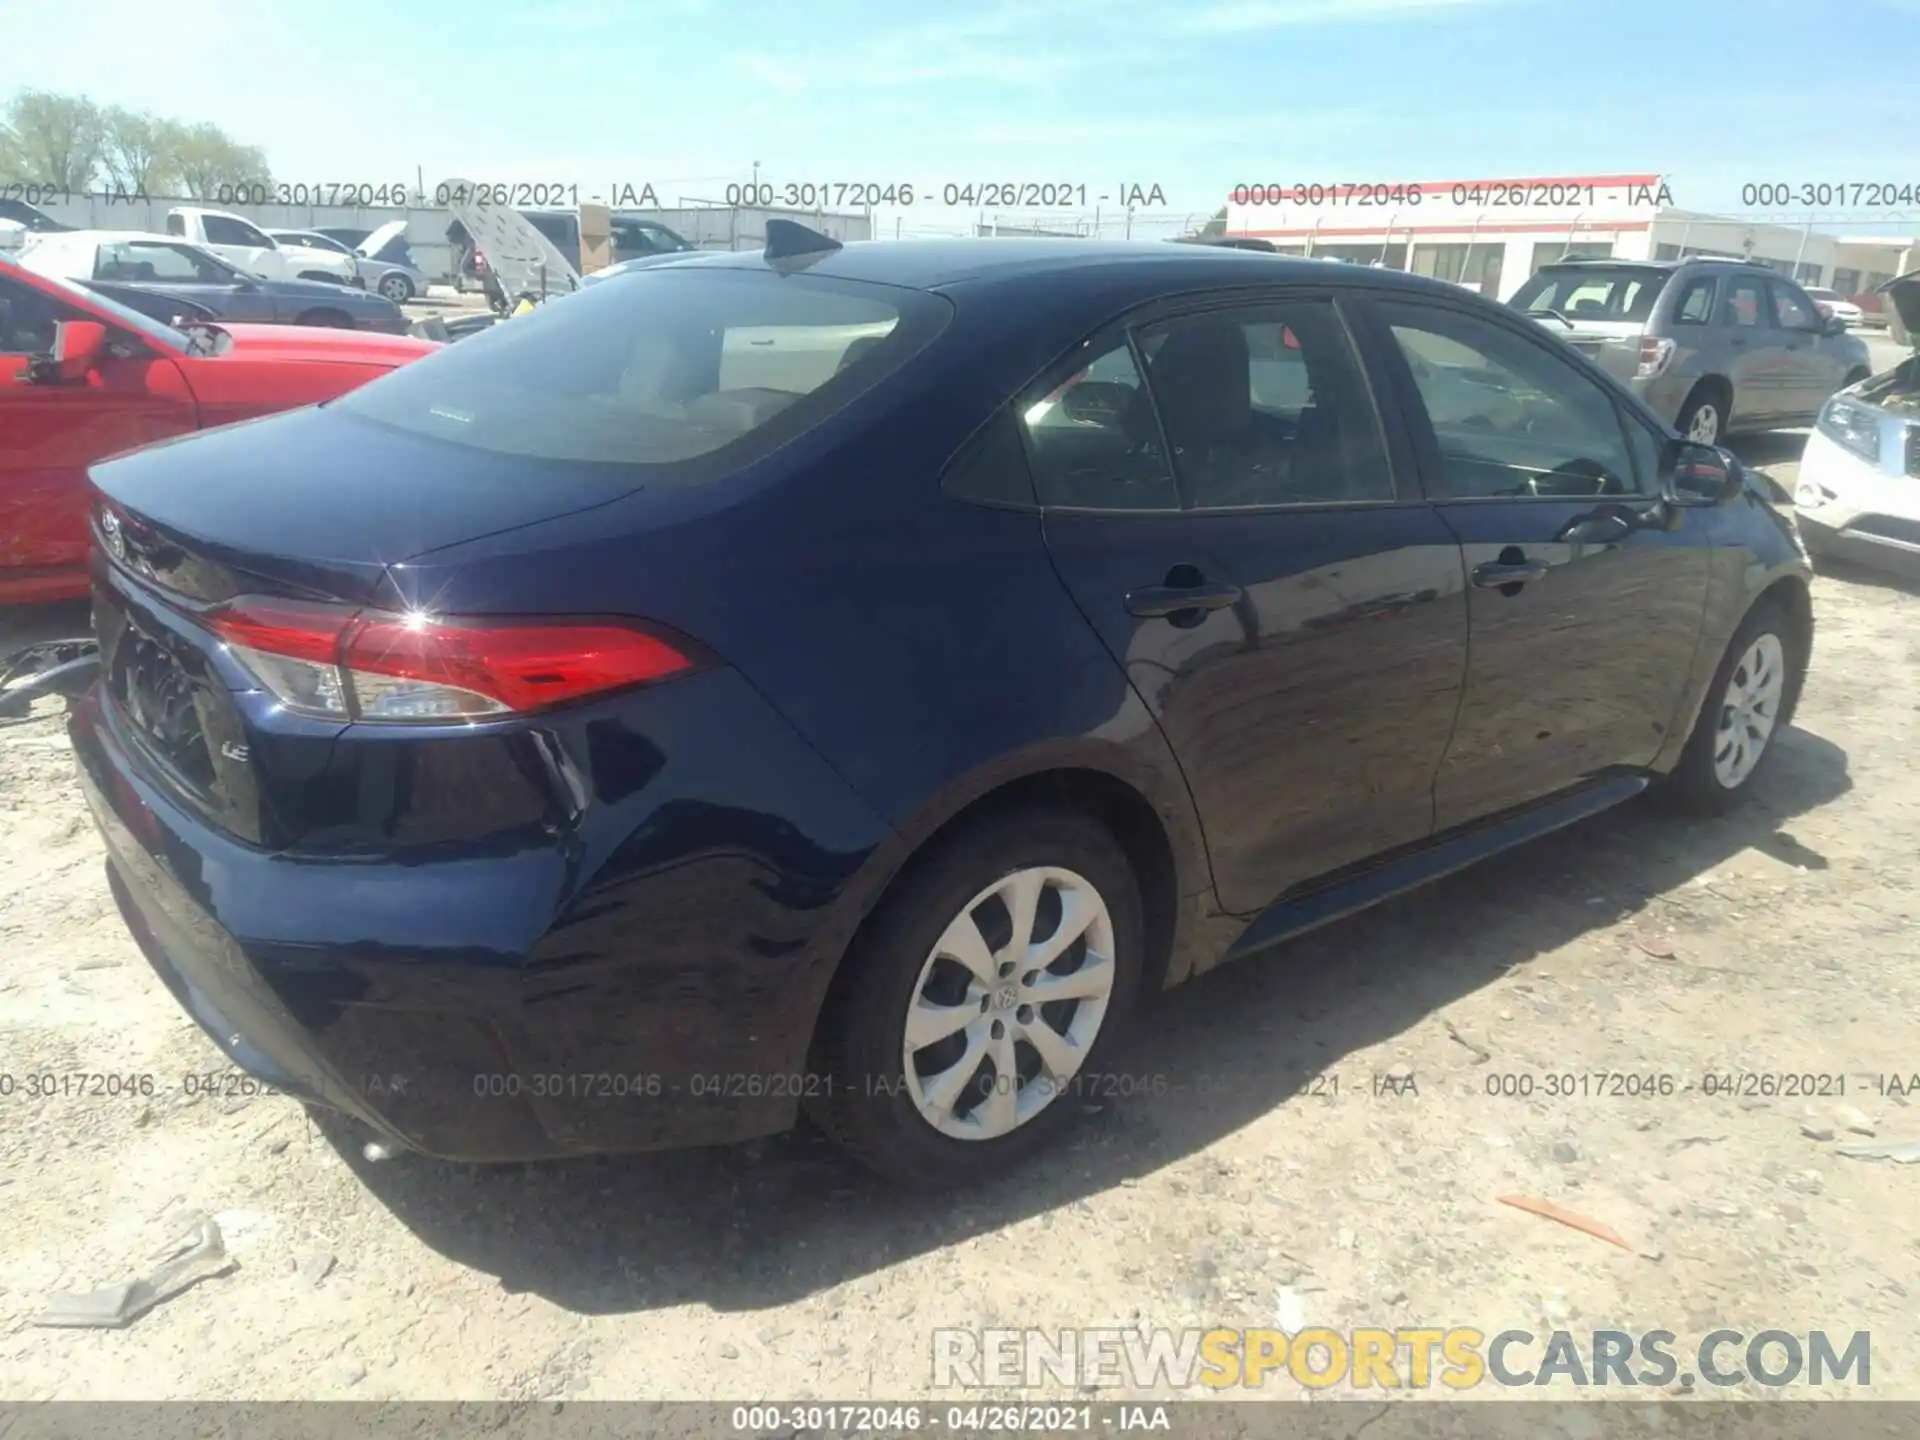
[[1584, 611], [1754, 363], [1229, 511]]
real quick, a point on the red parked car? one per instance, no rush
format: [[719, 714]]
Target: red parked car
[[83, 377]]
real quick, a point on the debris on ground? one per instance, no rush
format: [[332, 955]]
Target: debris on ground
[[1534, 1205], [1906, 1153], [200, 1255]]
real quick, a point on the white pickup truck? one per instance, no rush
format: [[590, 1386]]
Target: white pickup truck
[[241, 242]]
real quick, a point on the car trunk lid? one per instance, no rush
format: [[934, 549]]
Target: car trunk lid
[[309, 506]]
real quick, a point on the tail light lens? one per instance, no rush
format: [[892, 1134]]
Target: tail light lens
[[368, 665], [1654, 355]]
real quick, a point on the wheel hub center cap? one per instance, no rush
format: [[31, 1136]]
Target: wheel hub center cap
[[1006, 997]]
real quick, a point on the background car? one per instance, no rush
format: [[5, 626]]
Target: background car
[[83, 377], [1832, 302], [634, 236], [858, 676], [240, 242], [1715, 346], [385, 264], [1858, 491], [29, 217], [160, 265]]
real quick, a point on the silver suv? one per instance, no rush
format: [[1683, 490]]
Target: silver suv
[[1714, 346]]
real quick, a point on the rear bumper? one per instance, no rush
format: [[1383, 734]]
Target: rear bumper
[[484, 1006]]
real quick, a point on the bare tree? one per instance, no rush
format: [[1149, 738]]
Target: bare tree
[[139, 150], [49, 139], [206, 159]]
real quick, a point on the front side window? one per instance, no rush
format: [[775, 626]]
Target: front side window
[[27, 319], [1267, 406], [676, 378], [225, 230], [151, 261], [1510, 418], [1792, 310], [1093, 442]]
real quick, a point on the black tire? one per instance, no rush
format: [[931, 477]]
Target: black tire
[[333, 318], [864, 1103], [1854, 377], [1694, 783], [1703, 395], [396, 287]]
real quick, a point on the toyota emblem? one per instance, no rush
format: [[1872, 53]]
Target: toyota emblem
[[110, 532]]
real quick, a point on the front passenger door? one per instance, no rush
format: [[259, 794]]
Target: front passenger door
[[1808, 373], [1584, 614]]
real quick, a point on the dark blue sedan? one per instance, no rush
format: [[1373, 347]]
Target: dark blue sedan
[[851, 680]]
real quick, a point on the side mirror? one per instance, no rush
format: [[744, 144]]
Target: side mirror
[[1833, 325], [1700, 475], [1096, 402], [78, 348]]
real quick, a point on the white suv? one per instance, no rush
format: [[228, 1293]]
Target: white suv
[[239, 241]]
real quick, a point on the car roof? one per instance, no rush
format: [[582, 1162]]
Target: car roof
[[97, 237], [937, 264]]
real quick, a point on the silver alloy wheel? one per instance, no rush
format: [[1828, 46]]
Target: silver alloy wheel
[[396, 287], [1705, 425], [1009, 1002], [1749, 710]]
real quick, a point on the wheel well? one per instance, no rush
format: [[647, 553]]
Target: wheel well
[[1791, 594], [316, 275], [1126, 814], [1855, 376], [1712, 384]]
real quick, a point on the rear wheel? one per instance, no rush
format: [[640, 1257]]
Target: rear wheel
[[978, 999], [1755, 688], [333, 318], [1703, 419], [1854, 377]]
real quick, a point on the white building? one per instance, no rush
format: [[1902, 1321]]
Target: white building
[[1494, 234]]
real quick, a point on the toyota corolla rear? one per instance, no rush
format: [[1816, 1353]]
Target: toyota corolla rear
[[430, 783]]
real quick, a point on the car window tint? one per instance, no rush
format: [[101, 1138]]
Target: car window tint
[[27, 319], [152, 262], [1743, 304], [1649, 449], [1093, 441], [1267, 407], [222, 230], [1511, 418], [1791, 311], [1696, 303], [666, 379]]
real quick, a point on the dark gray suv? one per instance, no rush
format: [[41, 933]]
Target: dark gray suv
[[1714, 346]]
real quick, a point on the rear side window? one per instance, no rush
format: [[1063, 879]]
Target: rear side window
[[176, 225], [691, 372], [1093, 440], [1696, 303], [1746, 298], [1267, 406]]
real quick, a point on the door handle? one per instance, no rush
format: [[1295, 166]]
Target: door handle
[[1157, 602], [1495, 574]]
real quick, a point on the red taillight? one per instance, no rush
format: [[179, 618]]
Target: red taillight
[[344, 664]]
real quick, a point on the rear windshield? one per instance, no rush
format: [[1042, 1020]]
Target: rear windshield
[[693, 370], [1593, 292]]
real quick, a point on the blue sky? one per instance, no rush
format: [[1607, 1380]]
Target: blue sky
[[1195, 97]]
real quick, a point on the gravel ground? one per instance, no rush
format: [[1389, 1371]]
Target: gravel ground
[[1779, 939]]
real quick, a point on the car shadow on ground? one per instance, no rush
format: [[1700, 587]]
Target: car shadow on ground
[[754, 1226]]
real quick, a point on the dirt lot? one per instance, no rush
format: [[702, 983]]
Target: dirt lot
[[1778, 940]]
